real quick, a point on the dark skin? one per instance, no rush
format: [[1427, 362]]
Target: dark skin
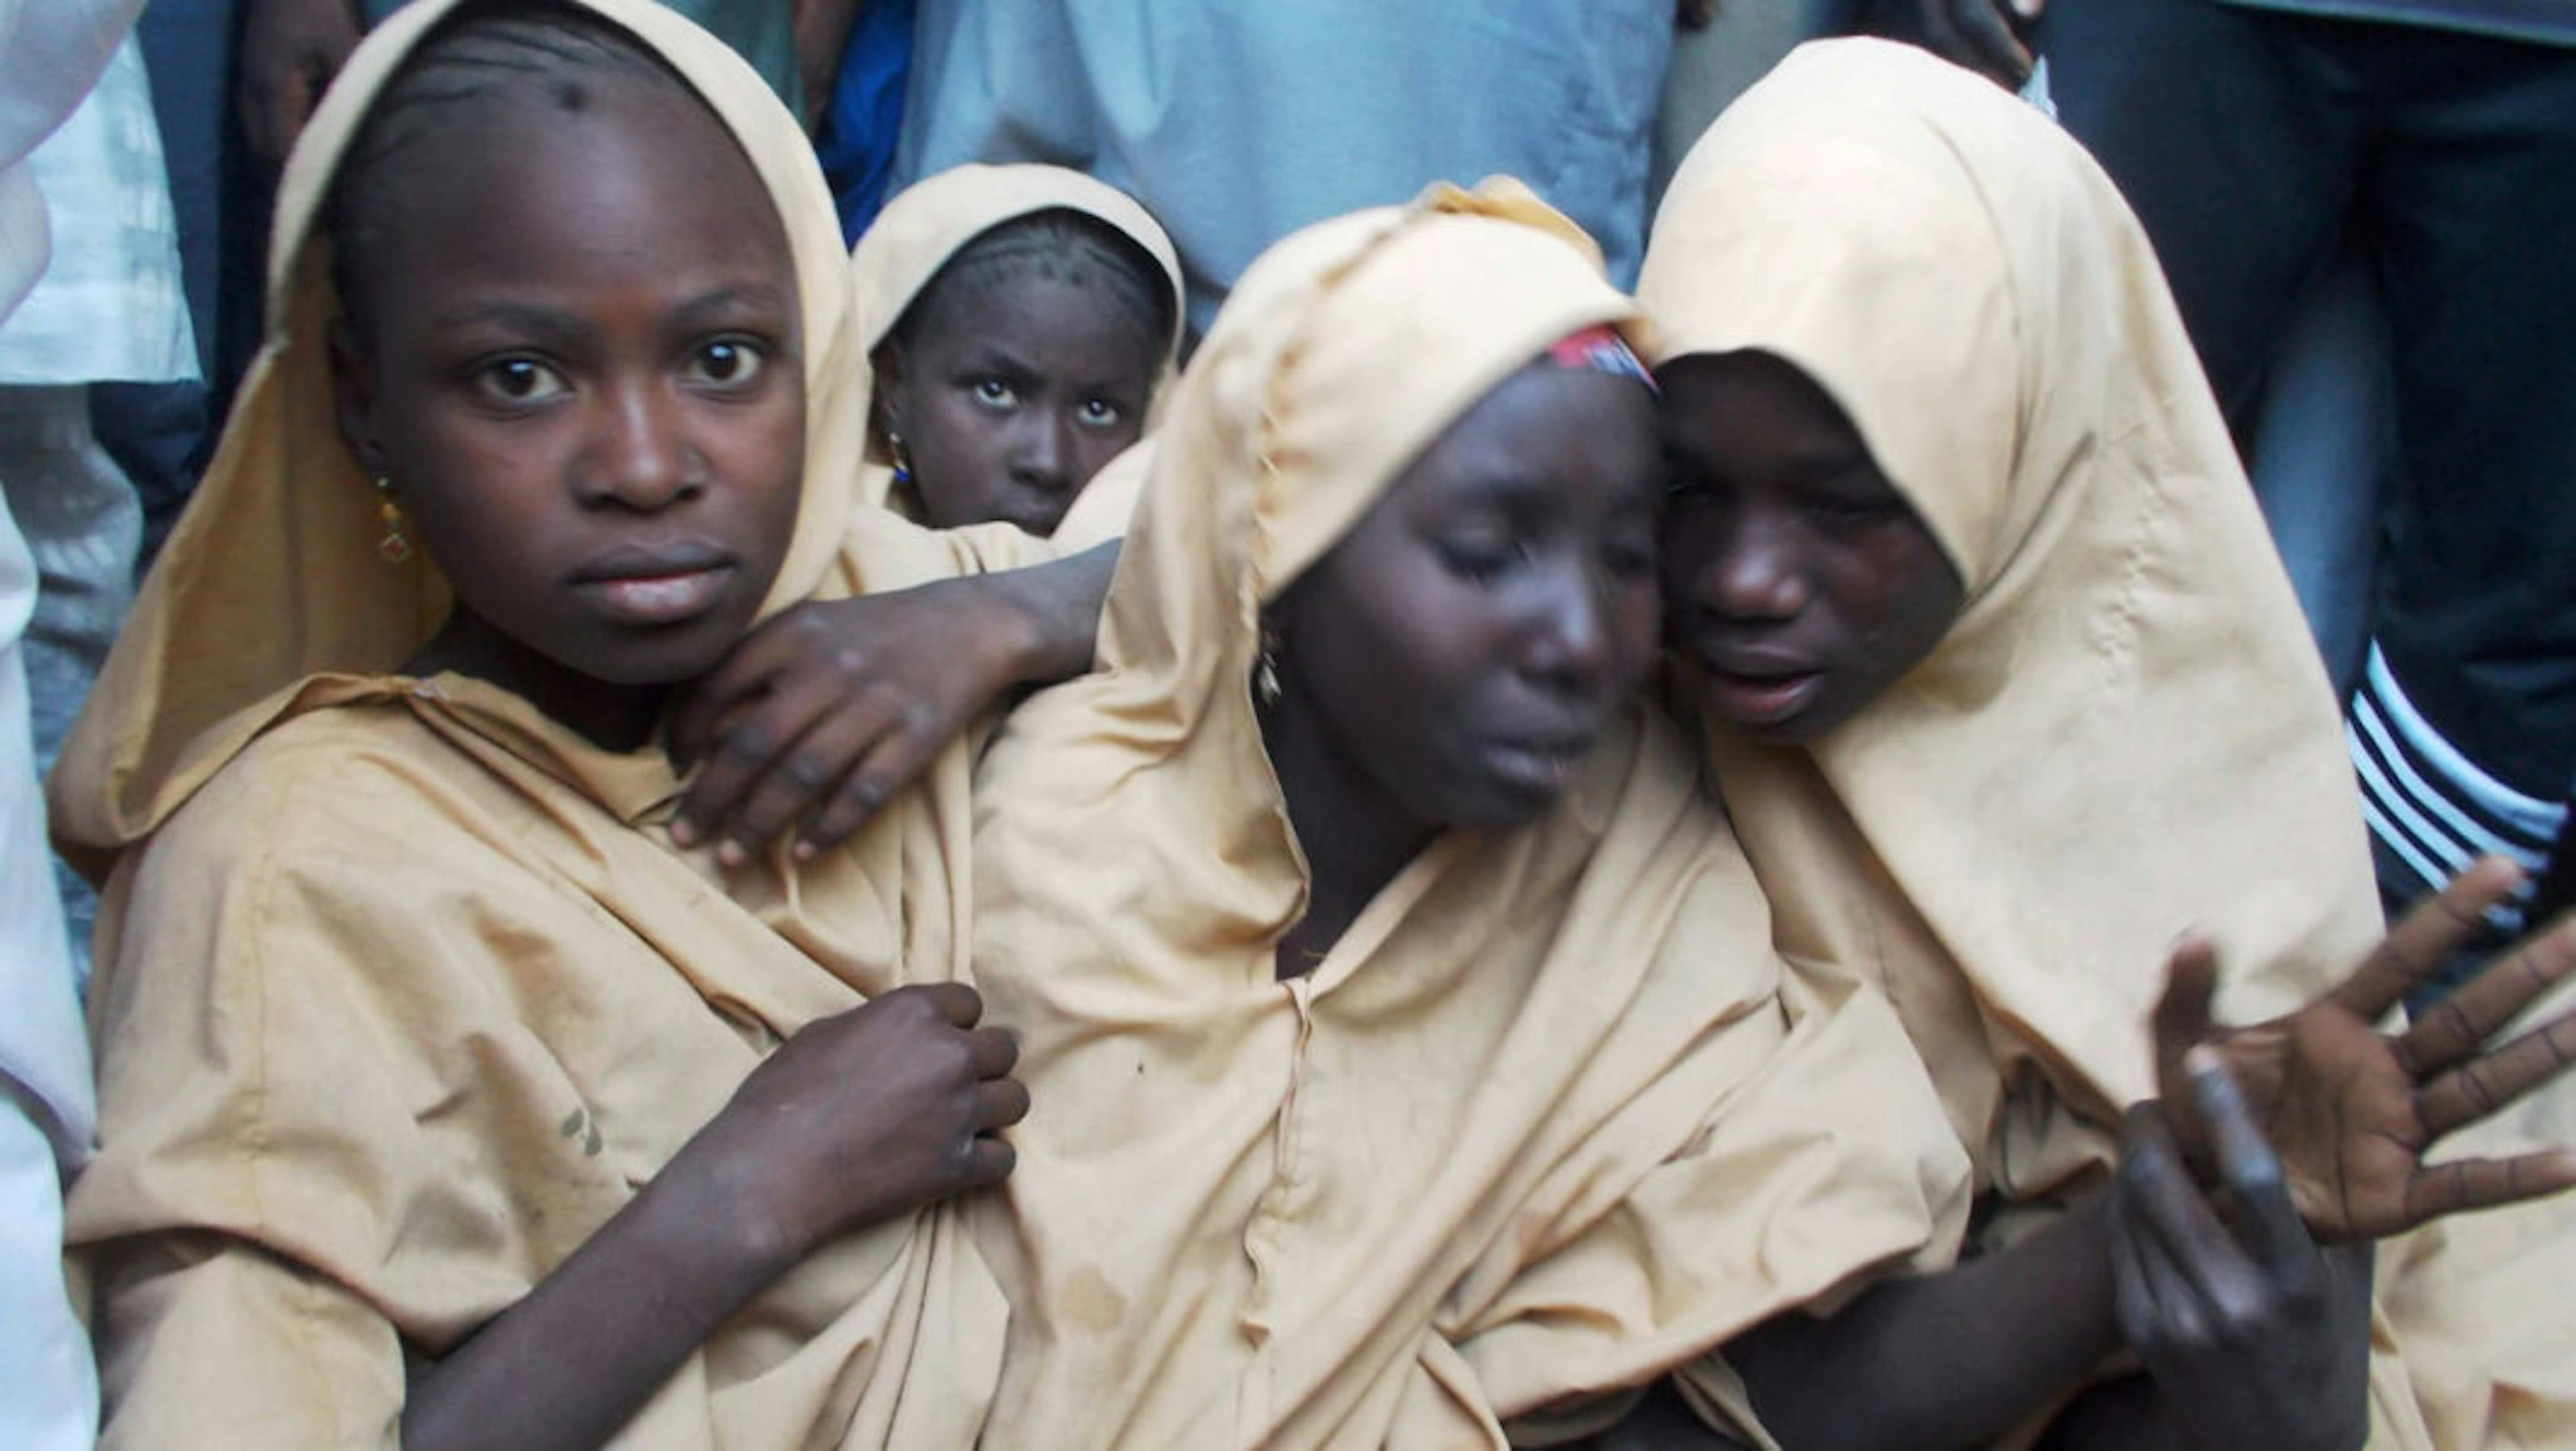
[[290, 50], [2252, 1334], [600, 443], [1990, 37], [1013, 395], [1796, 574], [1452, 660], [829, 708], [1797, 546], [1009, 406], [618, 380]]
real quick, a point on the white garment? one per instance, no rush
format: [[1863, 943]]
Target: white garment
[[109, 306], [48, 1391], [50, 52]]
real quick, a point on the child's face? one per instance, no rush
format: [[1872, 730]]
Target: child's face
[[1475, 633], [579, 368], [1023, 391], [1793, 570]]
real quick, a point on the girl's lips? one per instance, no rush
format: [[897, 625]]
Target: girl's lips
[[1762, 700], [657, 599]]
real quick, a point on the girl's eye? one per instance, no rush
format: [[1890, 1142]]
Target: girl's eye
[[1479, 560], [520, 382], [1688, 486], [1100, 413], [1847, 513], [728, 363], [994, 393]]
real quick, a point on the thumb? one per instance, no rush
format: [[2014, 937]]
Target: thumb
[[2181, 1023], [2182, 1014]]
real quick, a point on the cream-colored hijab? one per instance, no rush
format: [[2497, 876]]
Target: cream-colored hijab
[[2126, 733], [273, 577], [1548, 1121], [930, 221], [402, 991]]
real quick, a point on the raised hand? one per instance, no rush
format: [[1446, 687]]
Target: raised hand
[[2351, 1111], [862, 1116], [2253, 1336]]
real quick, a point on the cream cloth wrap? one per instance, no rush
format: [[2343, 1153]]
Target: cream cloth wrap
[[2127, 734], [403, 991], [931, 221], [1549, 1120]]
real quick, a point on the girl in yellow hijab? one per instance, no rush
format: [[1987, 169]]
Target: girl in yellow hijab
[[1020, 321], [2003, 685], [445, 1102], [1408, 1052]]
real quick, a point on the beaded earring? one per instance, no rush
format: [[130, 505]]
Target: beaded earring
[[395, 546]]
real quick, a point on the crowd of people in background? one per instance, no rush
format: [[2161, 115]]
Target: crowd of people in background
[[912, 723]]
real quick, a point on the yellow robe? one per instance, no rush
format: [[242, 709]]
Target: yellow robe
[[1548, 1120], [927, 223], [2126, 734], [402, 989]]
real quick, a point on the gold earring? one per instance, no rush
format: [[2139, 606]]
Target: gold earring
[[1265, 672], [395, 547]]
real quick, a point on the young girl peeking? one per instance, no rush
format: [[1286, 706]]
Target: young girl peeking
[[2005, 691], [445, 1102], [1020, 320], [1416, 1060]]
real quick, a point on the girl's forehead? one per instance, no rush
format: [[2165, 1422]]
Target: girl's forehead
[[639, 163]]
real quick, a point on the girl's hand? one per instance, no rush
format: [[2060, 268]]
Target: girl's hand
[[827, 710], [2254, 1337], [2352, 1112], [858, 1118]]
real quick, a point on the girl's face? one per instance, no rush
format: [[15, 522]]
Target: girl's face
[[578, 365], [1471, 638], [1795, 573], [1024, 390]]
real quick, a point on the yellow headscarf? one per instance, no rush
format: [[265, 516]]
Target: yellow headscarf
[[402, 991], [928, 222], [1547, 1121], [2127, 732], [272, 576]]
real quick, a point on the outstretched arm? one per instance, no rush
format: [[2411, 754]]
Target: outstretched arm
[[827, 710], [2310, 1129]]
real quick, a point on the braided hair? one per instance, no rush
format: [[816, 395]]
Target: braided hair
[[541, 52], [1060, 245]]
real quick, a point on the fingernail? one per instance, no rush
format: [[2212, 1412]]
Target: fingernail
[[731, 854], [806, 851], [2204, 1061], [683, 835]]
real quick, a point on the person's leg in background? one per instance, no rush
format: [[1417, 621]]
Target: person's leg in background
[[2465, 728], [83, 524], [162, 433], [109, 306], [48, 1386], [2236, 143], [2319, 451]]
